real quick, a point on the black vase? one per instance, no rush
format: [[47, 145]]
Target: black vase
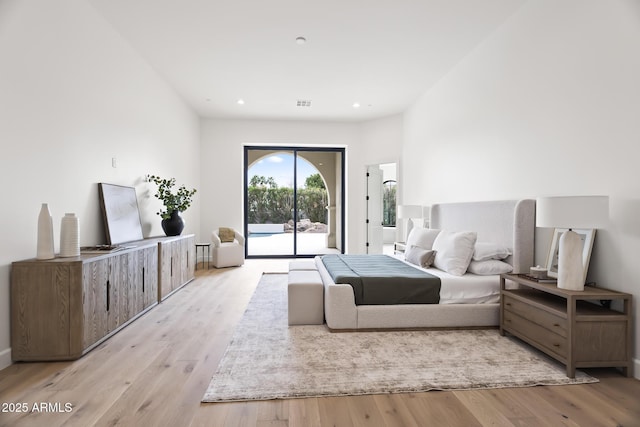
[[173, 225]]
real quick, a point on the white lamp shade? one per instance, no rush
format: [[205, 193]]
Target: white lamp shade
[[409, 211], [572, 211]]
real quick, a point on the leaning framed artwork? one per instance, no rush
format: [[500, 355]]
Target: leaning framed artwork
[[586, 236], [120, 212]]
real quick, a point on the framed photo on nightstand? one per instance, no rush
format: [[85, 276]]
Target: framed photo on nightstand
[[586, 236]]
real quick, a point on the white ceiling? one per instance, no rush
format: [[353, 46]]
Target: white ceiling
[[382, 54]]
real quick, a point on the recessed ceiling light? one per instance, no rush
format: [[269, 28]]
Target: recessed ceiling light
[[356, 105], [301, 40], [240, 101]]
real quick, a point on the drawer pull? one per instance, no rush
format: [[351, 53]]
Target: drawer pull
[[556, 345], [507, 303], [557, 325]]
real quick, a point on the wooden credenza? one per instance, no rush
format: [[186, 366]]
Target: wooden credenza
[[177, 260], [64, 307], [573, 327]]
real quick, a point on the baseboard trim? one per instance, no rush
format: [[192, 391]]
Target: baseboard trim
[[5, 358]]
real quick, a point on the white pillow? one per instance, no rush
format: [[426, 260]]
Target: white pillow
[[418, 256], [422, 237], [454, 251], [484, 251], [489, 267]]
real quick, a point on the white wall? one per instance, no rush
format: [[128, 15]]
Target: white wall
[[548, 105], [73, 96], [222, 163]]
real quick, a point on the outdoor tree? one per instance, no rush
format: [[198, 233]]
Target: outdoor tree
[[261, 181], [268, 203], [314, 181]]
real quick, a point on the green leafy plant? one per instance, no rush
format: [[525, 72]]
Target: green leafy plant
[[268, 203], [314, 181], [178, 201]]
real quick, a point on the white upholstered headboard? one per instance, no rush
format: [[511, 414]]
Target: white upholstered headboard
[[507, 222]]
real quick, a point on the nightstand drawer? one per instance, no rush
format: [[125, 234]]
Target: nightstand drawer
[[547, 320], [535, 334]]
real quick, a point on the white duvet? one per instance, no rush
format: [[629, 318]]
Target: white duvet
[[466, 289]]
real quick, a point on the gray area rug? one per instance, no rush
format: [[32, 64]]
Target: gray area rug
[[267, 359]]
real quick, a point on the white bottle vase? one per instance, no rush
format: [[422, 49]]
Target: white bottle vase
[[69, 235], [45, 234]]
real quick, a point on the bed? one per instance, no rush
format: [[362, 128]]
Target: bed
[[469, 300]]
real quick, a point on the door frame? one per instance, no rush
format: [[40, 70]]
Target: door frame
[[294, 150], [374, 210]]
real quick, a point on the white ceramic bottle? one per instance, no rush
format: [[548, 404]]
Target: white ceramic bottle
[[45, 234], [69, 235]]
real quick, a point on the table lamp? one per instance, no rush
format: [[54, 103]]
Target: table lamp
[[426, 216], [409, 211], [571, 212]]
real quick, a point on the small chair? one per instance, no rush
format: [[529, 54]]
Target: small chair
[[227, 254]]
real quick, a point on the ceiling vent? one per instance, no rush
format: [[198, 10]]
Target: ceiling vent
[[303, 103]]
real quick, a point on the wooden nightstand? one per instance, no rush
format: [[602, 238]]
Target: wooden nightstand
[[566, 326]]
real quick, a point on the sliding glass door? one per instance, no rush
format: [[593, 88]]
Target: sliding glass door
[[294, 201]]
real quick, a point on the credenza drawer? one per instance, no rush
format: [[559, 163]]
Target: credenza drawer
[[547, 320], [531, 331]]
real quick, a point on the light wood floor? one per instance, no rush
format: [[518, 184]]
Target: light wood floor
[[156, 370]]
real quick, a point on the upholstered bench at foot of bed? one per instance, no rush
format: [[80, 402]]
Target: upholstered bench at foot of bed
[[303, 264], [305, 298]]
